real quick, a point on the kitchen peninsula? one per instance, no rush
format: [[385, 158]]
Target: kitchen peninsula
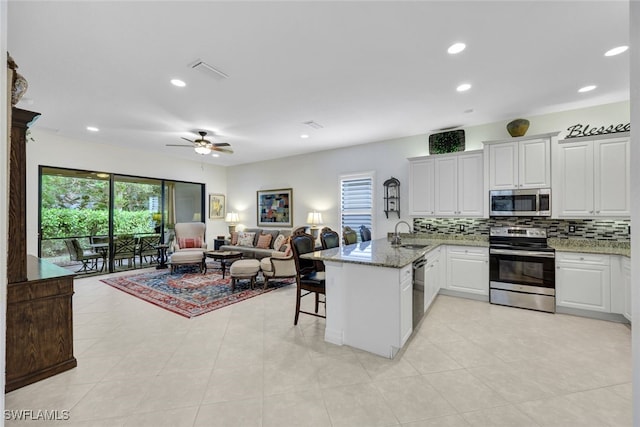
[[369, 292]]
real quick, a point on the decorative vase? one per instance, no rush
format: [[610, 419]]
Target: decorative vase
[[518, 127]]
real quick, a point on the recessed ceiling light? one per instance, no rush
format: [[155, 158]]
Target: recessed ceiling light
[[616, 51], [102, 175], [456, 48], [463, 87], [92, 129], [587, 88], [215, 155], [304, 136], [178, 82]]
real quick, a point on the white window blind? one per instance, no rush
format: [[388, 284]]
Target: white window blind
[[357, 201]]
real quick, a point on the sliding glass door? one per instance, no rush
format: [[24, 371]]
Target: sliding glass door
[[120, 218]]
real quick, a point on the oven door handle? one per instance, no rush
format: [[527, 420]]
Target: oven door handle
[[534, 254]]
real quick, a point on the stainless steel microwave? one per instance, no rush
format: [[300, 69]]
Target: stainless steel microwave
[[531, 202]]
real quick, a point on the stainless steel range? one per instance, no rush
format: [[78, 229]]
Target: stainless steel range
[[522, 268]]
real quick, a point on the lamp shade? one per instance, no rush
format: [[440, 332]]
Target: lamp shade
[[232, 217], [314, 218]]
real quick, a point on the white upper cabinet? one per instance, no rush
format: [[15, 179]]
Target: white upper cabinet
[[523, 162], [503, 161], [421, 176], [447, 185], [592, 178]]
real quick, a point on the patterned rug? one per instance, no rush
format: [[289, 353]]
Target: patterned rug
[[189, 293]]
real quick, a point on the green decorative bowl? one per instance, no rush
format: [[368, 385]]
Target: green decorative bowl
[[518, 127]]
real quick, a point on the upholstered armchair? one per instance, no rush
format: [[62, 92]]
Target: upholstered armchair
[[278, 266], [190, 236]]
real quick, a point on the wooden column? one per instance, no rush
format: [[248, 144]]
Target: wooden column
[[17, 210]]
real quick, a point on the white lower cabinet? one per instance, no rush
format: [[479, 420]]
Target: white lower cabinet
[[468, 269], [432, 276], [626, 282], [406, 304], [583, 281]]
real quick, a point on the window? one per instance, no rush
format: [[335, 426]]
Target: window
[[356, 201], [91, 206]]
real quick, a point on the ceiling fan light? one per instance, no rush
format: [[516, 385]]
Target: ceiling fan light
[[201, 149]]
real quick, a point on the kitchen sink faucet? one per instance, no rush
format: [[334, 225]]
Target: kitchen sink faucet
[[396, 241]]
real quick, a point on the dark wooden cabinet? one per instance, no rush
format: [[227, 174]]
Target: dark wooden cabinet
[[39, 324], [17, 231]]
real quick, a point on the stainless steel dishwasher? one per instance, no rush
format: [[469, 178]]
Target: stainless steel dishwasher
[[418, 289]]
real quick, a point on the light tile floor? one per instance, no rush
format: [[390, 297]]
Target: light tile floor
[[468, 363]]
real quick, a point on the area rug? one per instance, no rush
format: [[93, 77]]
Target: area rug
[[189, 293]]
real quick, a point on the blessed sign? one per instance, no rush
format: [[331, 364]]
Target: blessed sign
[[577, 131]]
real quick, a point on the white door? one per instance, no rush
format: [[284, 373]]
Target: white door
[[612, 177], [583, 286], [626, 277], [421, 185], [431, 277], [471, 195], [406, 310], [503, 166], [446, 188], [468, 270], [534, 163], [574, 189]]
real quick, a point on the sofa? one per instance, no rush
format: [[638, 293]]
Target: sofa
[[250, 245]]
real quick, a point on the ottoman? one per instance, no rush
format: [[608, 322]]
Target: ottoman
[[186, 258], [244, 269]]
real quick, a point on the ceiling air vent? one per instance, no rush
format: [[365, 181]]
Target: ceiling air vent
[[199, 64], [313, 124]]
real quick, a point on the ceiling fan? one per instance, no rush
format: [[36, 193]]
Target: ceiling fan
[[204, 146]]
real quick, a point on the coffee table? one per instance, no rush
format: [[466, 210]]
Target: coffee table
[[225, 257]]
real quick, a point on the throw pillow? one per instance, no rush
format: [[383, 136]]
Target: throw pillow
[[234, 238], [246, 239], [277, 244], [189, 242], [264, 241], [286, 248], [273, 233]]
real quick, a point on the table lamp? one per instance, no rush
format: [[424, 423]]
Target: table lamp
[[314, 219], [232, 218]]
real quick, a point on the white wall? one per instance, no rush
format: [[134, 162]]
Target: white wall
[[4, 191], [315, 177], [50, 149], [634, 24]]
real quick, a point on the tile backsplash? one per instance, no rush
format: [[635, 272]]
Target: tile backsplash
[[598, 229]]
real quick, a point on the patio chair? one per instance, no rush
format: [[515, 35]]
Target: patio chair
[[124, 247], [148, 247], [88, 258]]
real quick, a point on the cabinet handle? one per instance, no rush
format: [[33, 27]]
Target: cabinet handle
[[597, 212], [581, 258], [590, 212], [557, 268]]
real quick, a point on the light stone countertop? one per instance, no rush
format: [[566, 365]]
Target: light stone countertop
[[591, 246], [380, 253]]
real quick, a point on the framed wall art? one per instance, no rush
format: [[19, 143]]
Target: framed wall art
[[217, 206], [275, 208]]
